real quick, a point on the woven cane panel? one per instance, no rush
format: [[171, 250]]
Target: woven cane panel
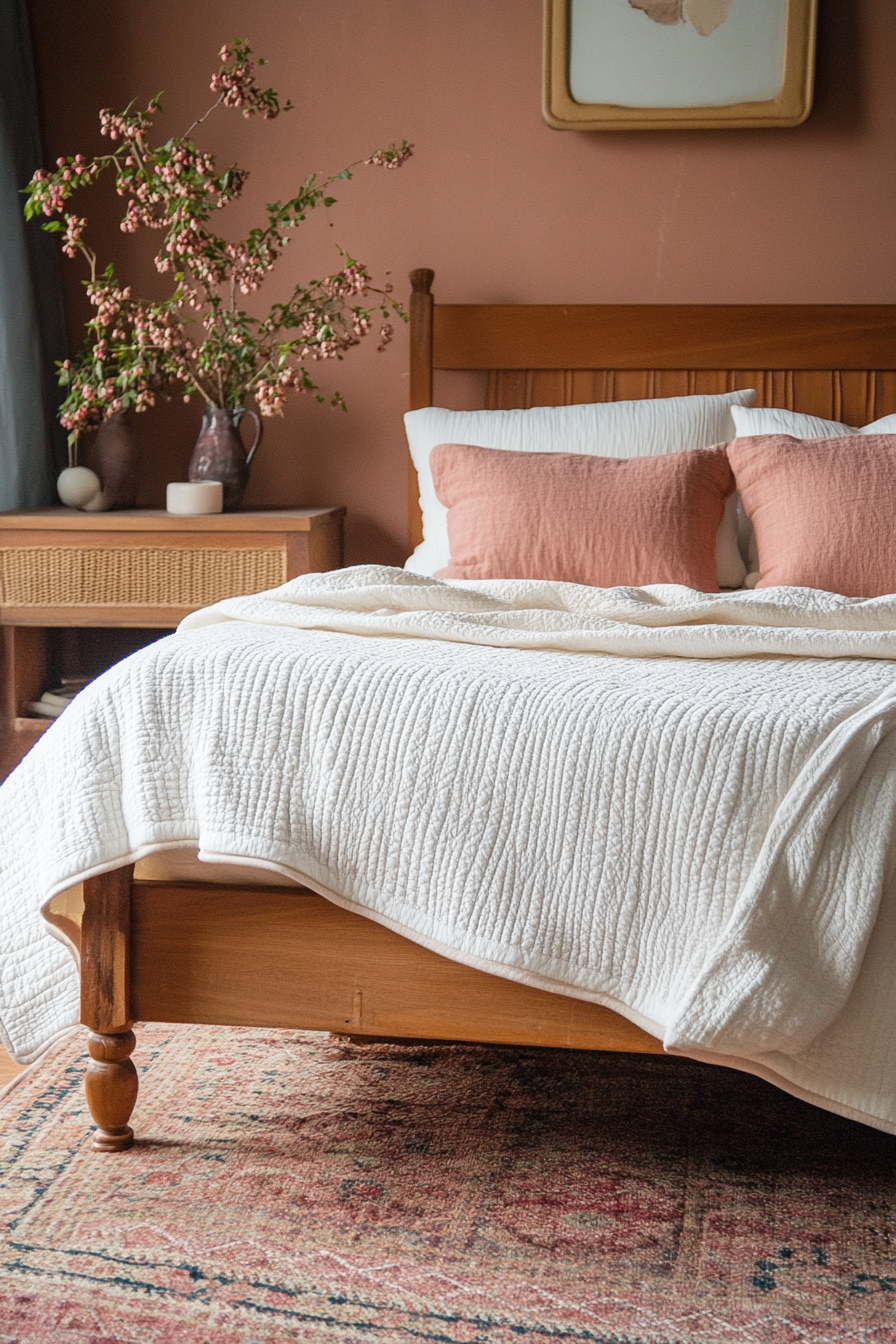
[[138, 576]]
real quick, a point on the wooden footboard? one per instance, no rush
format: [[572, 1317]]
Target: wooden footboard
[[272, 957]]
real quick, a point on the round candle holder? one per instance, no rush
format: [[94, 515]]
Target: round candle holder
[[194, 497]]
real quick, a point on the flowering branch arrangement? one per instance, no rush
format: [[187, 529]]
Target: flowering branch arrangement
[[199, 340]]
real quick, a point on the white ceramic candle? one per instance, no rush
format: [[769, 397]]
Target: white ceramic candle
[[193, 497]]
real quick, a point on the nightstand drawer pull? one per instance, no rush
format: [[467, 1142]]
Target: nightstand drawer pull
[[135, 576]]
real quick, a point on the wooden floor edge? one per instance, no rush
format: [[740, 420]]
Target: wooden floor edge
[[9, 1069]]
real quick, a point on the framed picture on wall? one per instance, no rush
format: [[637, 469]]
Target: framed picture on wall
[[613, 65]]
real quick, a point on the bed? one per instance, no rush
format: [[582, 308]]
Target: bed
[[157, 944]]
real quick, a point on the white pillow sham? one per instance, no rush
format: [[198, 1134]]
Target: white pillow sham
[[776, 420], [644, 428]]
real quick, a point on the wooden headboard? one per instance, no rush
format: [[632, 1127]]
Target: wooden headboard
[[833, 360]]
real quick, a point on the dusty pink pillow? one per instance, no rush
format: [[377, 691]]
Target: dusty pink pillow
[[597, 520], [824, 510]]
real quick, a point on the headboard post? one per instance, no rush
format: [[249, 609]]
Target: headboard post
[[421, 378], [421, 338]]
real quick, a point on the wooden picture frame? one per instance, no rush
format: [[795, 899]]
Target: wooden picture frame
[[570, 28]]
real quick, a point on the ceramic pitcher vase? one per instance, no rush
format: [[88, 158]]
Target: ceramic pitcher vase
[[220, 455]]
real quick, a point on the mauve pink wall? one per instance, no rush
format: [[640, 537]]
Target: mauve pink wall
[[502, 208]]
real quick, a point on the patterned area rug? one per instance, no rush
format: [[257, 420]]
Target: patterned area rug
[[286, 1186]]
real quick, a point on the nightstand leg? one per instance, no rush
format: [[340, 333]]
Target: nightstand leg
[[24, 667]]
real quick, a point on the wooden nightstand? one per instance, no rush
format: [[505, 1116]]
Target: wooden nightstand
[[140, 569]]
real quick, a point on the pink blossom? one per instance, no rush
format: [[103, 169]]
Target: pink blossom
[[140, 352], [391, 157]]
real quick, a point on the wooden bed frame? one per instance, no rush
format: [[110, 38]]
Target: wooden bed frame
[[279, 957]]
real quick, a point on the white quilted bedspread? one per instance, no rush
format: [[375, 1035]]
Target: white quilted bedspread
[[676, 804]]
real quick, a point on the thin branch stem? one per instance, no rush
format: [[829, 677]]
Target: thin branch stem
[[200, 120], [210, 401], [131, 144], [91, 260]]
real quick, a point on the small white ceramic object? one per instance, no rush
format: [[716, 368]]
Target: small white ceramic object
[[77, 486], [194, 497]]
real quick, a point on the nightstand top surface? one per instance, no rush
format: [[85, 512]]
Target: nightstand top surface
[[159, 520]]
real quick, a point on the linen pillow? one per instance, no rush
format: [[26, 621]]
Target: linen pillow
[[603, 429], [823, 510], [583, 519], [777, 420]]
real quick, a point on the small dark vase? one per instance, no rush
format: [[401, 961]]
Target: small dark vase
[[219, 454], [114, 459]]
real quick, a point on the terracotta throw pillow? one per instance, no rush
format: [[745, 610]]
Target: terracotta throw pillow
[[824, 510], [602, 521]]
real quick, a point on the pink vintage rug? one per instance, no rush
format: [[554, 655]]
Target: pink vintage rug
[[288, 1187]]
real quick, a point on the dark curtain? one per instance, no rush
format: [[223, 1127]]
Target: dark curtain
[[32, 332]]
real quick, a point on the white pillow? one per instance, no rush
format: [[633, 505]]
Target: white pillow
[[603, 429], [775, 420]]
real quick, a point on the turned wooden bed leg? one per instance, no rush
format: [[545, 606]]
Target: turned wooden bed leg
[[111, 1082], [111, 1086]]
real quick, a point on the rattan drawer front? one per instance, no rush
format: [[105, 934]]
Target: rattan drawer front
[[135, 576]]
